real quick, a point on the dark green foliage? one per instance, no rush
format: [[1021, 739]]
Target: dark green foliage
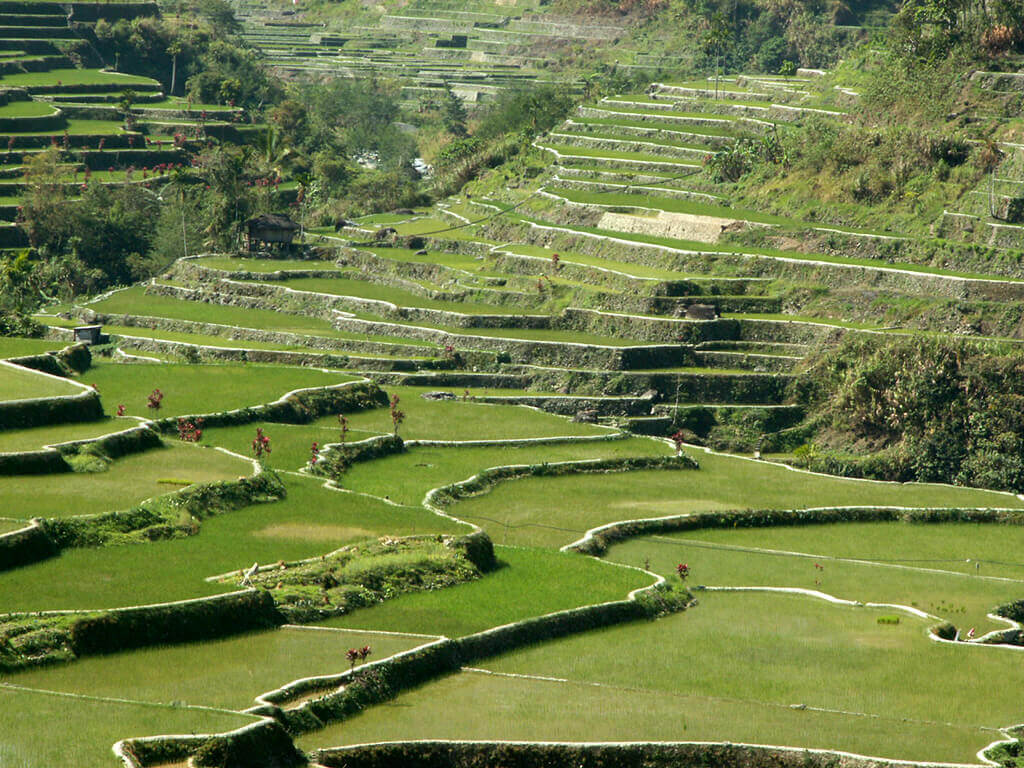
[[300, 408], [231, 75], [376, 191], [335, 462], [543, 628], [22, 414], [382, 681], [183, 622], [529, 111], [30, 641], [932, 410], [44, 462], [114, 446], [266, 745], [152, 46], [427, 754], [454, 114], [363, 574], [478, 549], [28, 545]]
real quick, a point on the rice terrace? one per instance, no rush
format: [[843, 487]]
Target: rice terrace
[[511, 383]]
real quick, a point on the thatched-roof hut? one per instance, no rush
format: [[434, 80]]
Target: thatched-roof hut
[[270, 229]]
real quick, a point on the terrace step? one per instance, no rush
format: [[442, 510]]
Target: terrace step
[[33, 20], [37, 33]]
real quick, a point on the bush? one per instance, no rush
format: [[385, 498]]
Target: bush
[[202, 619]]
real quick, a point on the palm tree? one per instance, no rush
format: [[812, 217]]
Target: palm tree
[[174, 50]]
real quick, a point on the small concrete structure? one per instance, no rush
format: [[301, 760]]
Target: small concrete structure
[[90, 334], [270, 229], [701, 312]]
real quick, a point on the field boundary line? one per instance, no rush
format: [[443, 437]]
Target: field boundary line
[[116, 700], [315, 628]]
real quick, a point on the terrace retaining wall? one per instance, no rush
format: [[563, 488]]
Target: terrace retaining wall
[[24, 546], [470, 754]]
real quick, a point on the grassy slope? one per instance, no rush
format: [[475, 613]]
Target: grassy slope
[[88, 728], [723, 482], [531, 582], [407, 477], [221, 673], [310, 522], [200, 388], [22, 383], [127, 481], [665, 680]]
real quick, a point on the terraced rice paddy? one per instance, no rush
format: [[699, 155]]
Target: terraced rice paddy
[[603, 310]]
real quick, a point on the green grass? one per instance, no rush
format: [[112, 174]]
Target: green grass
[[75, 127], [474, 705], [201, 340], [9, 524], [724, 248], [31, 439], [722, 482], [611, 134], [458, 420], [702, 130], [630, 268], [403, 298], [263, 265], [134, 301], [27, 109], [191, 389], [22, 383], [454, 260], [704, 675], [226, 673], [613, 154], [930, 567], [15, 347], [41, 728], [290, 444], [74, 77], [536, 334], [407, 477], [529, 583], [128, 481], [817, 654], [311, 521], [425, 420]]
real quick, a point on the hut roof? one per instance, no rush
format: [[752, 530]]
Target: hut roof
[[272, 221]]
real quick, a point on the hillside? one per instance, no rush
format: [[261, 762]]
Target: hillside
[[524, 383]]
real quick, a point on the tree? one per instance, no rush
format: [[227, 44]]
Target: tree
[[454, 114], [397, 416], [174, 50], [717, 39]]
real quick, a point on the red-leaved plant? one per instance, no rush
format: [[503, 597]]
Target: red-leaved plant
[[190, 431], [260, 444]]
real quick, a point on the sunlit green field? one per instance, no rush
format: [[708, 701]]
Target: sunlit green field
[[127, 481], [731, 669], [723, 482], [191, 389], [21, 383], [407, 477], [311, 521]]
